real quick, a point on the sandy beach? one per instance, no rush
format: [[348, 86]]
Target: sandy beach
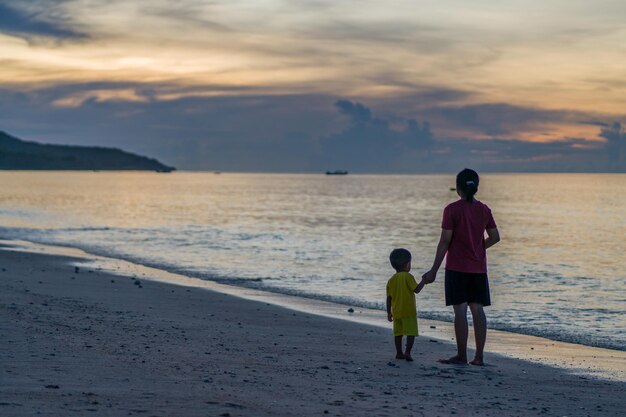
[[87, 342]]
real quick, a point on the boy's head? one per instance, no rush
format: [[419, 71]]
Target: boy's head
[[400, 259]]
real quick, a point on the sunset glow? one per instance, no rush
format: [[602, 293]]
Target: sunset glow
[[562, 61]]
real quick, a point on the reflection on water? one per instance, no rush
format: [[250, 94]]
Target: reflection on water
[[559, 270]]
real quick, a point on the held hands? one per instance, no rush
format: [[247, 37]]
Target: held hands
[[389, 317], [420, 286], [429, 277]]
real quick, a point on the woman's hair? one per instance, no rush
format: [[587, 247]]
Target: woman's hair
[[467, 182]]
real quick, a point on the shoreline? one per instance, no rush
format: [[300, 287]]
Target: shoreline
[[114, 263], [87, 341], [575, 358]]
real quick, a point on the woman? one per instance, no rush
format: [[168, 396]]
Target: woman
[[463, 238]]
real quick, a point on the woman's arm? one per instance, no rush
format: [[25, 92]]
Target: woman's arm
[[442, 248], [493, 237]]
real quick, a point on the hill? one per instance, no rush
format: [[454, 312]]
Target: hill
[[18, 154]]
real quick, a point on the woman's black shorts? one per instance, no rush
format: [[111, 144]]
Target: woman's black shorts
[[467, 287]]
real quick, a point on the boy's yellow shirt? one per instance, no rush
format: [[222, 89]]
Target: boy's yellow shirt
[[400, 288]]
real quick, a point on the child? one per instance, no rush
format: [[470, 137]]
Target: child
[[463, 239], [401, 290]]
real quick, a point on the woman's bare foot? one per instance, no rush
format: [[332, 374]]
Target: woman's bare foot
[[455, 360], [400, 356], [408, 357], [477, 362]]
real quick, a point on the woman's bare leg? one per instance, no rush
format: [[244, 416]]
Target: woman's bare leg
[[480, 332], [460, 330]]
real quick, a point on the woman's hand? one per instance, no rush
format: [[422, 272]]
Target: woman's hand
[[430, 276]]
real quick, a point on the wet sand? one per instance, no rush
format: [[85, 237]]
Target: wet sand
[[88, 342]]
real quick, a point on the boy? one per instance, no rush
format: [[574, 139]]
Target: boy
[[401, 310]]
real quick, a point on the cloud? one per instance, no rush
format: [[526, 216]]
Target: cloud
[[496, 119], [356, 111], [496, 155], [616, 142], [371, 143], [323, 47], [228, 133], [287, 133], [34, 24], [508, 121], [595, 123]]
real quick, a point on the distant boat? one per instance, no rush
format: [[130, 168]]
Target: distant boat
[[165, 170], [337, 172]]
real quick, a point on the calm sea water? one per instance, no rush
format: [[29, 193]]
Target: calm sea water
[[559, 272]]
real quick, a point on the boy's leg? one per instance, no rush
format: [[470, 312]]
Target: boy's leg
[[398, 341], [409, 345], [410, 330], [460, 331], [480, 331]]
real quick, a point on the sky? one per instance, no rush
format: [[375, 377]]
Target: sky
[[308, 85]]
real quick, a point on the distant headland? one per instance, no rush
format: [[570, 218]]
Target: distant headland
[[17, 154]]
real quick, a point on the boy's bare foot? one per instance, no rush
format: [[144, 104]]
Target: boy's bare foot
[[400, 356], [408, 357], [477, 362], [455, 360]]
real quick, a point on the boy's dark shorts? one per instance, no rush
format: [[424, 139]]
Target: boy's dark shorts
[[467, 287]]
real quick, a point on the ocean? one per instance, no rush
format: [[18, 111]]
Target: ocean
[[559, 271]]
